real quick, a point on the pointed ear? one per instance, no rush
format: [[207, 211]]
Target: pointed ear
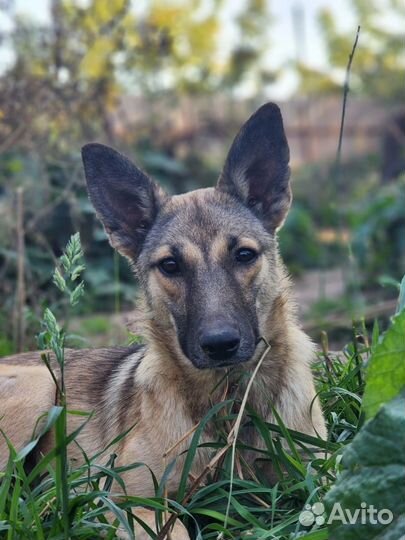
[[256, 170], [125, 199]]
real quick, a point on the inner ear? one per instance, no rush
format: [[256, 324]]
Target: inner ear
[[256, 169], [126, 200]]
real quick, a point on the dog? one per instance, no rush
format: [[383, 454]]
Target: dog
[[213, 291]]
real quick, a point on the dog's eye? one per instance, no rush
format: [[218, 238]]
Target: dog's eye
[[245, 255], [169, 266]]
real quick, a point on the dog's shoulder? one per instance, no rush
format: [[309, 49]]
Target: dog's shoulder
[[94, 371], [88, 372], [103, 381]]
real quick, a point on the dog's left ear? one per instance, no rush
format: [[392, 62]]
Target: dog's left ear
[[256, 170]]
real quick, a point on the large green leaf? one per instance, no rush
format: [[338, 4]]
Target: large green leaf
[[386, 370], [373, 474]]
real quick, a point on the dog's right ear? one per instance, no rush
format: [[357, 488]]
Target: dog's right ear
[[256, 170], [126, 200]]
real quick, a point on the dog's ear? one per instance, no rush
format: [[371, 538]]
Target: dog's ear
[[256, 170], [125, 199]]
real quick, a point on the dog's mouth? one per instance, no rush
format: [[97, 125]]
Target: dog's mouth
[[218, 365], [204, 362], [229, 363]]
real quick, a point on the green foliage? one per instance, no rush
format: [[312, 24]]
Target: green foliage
[[370, 214], [134, 339], [378, 224], [72, 268], [298, 242], [340, 383], [386, 367], [379, 61], [100, 47], [95, 325], [373, 465], [53, 338], [373, 473]]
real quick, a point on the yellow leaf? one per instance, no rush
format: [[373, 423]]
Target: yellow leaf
[[95, 62]]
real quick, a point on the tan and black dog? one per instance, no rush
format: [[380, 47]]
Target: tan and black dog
[[212, 284]]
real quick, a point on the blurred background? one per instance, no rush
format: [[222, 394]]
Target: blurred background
[[169, 82]]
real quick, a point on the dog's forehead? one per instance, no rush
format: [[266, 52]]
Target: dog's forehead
[[199, 217], [205, 213]]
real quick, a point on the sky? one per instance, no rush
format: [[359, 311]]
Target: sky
[[282, 35]]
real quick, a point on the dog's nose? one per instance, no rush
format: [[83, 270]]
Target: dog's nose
[[220, 344]]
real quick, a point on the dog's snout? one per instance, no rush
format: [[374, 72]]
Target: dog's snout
[[220, 343]]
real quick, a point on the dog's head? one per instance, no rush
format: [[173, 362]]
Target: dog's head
[[207, 260]]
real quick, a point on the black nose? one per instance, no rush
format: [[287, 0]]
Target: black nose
[[220, 343]]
